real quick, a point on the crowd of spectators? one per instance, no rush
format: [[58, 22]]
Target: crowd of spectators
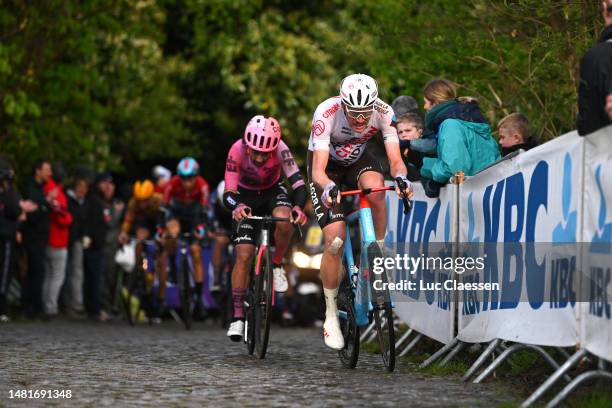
[[58, 245], [453, 135]]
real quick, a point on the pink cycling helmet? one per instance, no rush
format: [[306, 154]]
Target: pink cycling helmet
[[261, 134]]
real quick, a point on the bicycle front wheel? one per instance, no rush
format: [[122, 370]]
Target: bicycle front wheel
[[348, 324], [186, 294], [383, 315], [263, 304], [127, 295]]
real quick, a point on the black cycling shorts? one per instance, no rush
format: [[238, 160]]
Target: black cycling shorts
[[344, 177], [189, 215], [261, 203], [223, 219]]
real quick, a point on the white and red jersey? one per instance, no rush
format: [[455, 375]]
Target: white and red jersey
[[241, 171], [331, 130]]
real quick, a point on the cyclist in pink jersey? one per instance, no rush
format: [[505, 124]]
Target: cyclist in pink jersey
[[253, 186], [341, 127]]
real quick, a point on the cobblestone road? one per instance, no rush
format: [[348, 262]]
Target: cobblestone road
[[117, 365]]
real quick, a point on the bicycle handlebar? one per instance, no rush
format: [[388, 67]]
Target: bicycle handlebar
[[271, 219], [401, 185]]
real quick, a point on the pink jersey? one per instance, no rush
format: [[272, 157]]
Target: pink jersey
[[241, 171], [331, 131]]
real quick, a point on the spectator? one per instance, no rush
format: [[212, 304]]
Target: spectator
[[56, 255], [464, 138], [595, 82], [99, 217], [409, 128], [111, 246], [515, 133], [609, 106], [404, 104], [9, 213], [77, 206], [35, 236]]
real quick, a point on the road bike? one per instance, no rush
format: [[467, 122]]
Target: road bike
[[139, 284], [358, 301], [183, 269], [260, 296]]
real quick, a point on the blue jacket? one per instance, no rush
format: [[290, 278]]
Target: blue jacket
[[462, 145]]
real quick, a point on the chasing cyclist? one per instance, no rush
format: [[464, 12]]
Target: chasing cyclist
[[253, 186], [341, 127], [140, 221], [185, 201]]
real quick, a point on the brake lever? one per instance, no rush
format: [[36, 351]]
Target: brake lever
[[297, 226], [333, 194], [246, 210], [402, 187]]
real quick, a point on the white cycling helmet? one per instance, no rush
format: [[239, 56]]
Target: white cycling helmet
[[358, 91], [160, 172], [220, 189]]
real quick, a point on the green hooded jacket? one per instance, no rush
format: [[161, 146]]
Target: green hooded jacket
[[462, 146]]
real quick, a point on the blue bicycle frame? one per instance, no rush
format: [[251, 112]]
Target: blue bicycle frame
[[359, 282]]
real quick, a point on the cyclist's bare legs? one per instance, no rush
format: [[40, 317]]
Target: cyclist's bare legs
[[372, 179], [221, 242], [240, 277], [169, 249], [331, 262], [334, 235], [168, 241], [196, 258], [282, 234]]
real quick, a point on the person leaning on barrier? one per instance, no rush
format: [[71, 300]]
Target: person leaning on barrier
[[515, 133], [405, 104], [409, 129], [464, 137], [595, 81]]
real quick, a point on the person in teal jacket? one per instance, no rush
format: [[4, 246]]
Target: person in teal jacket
[[464, 140]]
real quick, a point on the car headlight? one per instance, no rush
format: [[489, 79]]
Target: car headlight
[[301, 260], [315, 261]]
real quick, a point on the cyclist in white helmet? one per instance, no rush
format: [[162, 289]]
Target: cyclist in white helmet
[[341, 127]]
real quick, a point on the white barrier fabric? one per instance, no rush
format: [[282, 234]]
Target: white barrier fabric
[[534, 197], [596, 315], [430, 220]]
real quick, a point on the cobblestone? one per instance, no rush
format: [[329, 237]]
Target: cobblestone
[[117, 365]]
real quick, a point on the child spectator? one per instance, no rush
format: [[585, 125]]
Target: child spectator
[[515, 133], [410, 127]]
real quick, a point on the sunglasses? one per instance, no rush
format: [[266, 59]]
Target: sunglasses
[[359, 114], [259, 155]]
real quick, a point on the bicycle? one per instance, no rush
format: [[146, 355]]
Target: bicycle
[[183, 269], [358, 303], [260, 296], [140, 283]]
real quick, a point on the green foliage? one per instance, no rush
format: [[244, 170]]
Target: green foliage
[[519, 55], [86, 82], [112, 83]]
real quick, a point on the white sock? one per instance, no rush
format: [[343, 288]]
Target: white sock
[[331, 309]]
